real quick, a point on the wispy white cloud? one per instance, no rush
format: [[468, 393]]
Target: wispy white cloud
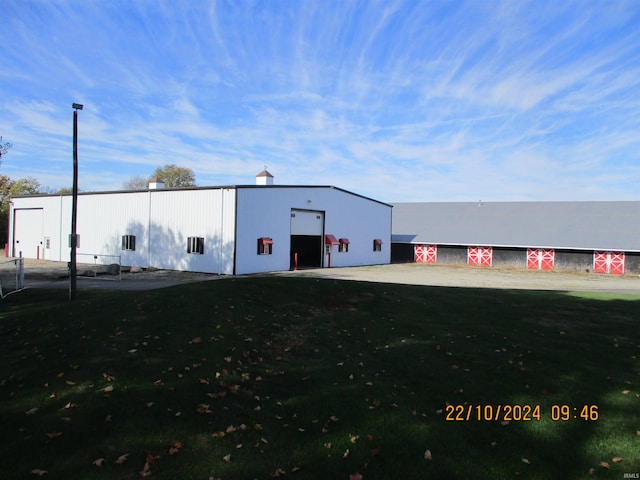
[[396, 100]]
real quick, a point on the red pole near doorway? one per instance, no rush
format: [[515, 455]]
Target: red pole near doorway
[[295, 261]]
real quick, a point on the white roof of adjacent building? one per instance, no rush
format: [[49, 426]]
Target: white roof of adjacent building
[[613, 225]]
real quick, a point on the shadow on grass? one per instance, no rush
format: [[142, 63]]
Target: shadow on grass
[[253, 377]]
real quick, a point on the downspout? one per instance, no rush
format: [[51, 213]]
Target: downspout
[[149, 232], [10, 233], [60, 234], [221, 232], [235, 230]]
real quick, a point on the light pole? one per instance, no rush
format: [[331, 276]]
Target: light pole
[[74, 206]]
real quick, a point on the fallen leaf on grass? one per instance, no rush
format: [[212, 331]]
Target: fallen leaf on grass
[[616, 459], [526, 460], [108, 388], [196, 340], [277, 472], [39, 472], [54, 434], [99, 462], [604, 464], [146, 469], [427, 455], [346, 453], [626, 392], [121, 459], [175, 448], [227, 457], [355, 476], [31, 411]]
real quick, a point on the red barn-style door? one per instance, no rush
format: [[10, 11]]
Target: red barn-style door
[[426, 253], [608, 262], [540, 259], [480, 256]]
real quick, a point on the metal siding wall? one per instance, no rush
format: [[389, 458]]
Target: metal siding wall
[[104, 218], [361, 221], [177, 215], [509, 257], [266, 212], [263, 212]]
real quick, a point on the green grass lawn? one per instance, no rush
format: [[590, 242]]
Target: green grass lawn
[[302, 378]]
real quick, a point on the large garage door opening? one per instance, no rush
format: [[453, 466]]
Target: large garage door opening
[[307, 227], [308, 249]]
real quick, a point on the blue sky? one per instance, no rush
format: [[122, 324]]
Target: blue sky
[[398, 100]]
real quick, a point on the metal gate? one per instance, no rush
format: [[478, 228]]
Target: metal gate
[[480, 256], [426, 253], [540, 258], [608, 262]]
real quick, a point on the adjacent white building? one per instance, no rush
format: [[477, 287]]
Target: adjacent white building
[[222, 230]]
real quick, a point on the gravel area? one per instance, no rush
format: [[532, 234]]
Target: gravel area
[[48, 274], [481, 277], [42, 273]]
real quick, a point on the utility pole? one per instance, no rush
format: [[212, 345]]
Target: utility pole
[[74, 207]]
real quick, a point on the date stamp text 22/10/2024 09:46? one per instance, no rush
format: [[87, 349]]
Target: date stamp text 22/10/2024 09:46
[[520, 413]]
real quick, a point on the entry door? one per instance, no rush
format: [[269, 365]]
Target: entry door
[[27, 233], [540, 259], [608, 262], [480, 256], [307, 229], [426, 253]]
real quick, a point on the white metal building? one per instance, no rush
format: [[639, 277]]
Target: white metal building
[[222, 230]]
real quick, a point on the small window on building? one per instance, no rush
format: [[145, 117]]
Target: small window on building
[[344, 245], [128, 242], [195, 245], [377, 245], [265, 246]]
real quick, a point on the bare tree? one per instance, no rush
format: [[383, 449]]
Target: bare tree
[[136, 183]]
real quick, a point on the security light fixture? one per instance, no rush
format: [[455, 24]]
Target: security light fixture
[[77, 106]]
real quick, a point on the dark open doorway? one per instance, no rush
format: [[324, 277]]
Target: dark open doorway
[[309, 250]]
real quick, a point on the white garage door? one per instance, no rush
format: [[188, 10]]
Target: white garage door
[[306, 222], [27, 233]]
